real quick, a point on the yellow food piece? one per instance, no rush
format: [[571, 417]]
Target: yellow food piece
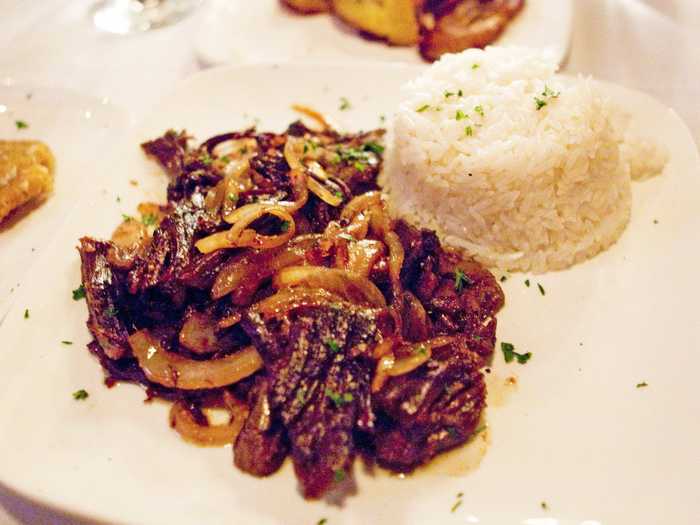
[[26, 173], [308, 6], [394, 20]]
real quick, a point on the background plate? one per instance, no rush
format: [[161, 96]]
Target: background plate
[[229, 26], [575, 433], [74, 126]]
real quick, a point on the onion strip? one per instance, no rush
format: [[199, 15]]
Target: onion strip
[[184, 423], [353, 287], [174, 371]]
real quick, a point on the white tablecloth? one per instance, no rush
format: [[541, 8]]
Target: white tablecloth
[[651, 45]]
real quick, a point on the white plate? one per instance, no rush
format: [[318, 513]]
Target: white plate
[[229, 27], [74, 127], [576, 433]]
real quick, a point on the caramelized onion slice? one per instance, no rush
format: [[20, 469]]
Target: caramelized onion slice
[[396, 258], [198, 333], [290, 298], [240, 236], [322, 191], [362, 256], [352, 287], [174, 371], [313, 114], [183, 422]]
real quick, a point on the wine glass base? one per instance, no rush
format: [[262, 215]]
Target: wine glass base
[[131, 16]]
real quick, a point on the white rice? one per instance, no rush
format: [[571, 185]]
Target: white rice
[[516, 187]]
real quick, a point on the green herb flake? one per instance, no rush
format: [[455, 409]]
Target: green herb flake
[[67, 343], [344, 104], [284, 226], [503, 278], [243, 150], [306, 148], [475, 66], [540, 103], [468, 131], [656, 221], [462, 280], [206, 160], [423, 108], [457, 503], [322, 521], [373, 147], [540, 288], [79, 293], [480, 429], [232, 197], [544, 505], [479, 110], [21, 124], [226, 159], [149, 219], [126, 218], [509, 354], [111, 311], [460, 93], [382, 118], [332, 345], [80, 395], [527, 283], [339, 399], [359, 166], [346, 237], [643, 384], [338, 475], [449, 94], [119, 199], [420, 350], [460, 115], [26, 313]]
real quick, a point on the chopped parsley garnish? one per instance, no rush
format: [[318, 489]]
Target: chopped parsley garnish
[[643, 384], [460, 115], [149, 219], [509, 354], [79, 293], [243, 150], [338, 475], [322, 521], [339, 398], [373, 147], [420, 350], [460, 93], [339, 194], [119, 199], [527, 283], [548, 92], [656, 221], [284, 226], [503, 278], [81, 394], [225, 159], [423, 108], [382, 118], [21, 124], [541, 288], [475, 66], [544, 505], [468, 131], [449, 94], [111, 311], [332, 345], [206, 160], [346, 237], [126, 218], [26, 313], [233, 197], [344, 104], [479, 110], [458, 503], [67, 343], [359, 166], [462, 280], [540, 103]]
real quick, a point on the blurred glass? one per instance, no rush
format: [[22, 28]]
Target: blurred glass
[[134, 16]]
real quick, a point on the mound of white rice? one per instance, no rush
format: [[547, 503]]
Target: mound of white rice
[[515, 165]]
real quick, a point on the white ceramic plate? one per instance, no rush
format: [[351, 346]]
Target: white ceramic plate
[[228, 27], [576, 433], [74, 126]]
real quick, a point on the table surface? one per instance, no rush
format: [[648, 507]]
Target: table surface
[[650, 45]]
